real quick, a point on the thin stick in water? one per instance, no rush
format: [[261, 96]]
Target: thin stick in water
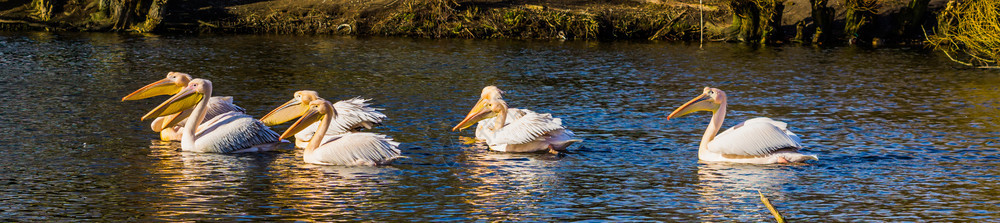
[[777, 216]]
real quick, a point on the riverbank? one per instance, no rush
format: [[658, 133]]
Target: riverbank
[[891, 22]]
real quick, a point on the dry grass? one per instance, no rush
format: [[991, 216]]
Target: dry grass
[[969, 33], [479, 19], [42, 10], [451, 19]]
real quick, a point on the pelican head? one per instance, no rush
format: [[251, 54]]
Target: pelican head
[[490, 105], [174, 82], [291, 109], [187, 97], [491, 92], [709, 100], [315, 111]]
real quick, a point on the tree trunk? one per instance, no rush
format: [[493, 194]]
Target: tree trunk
[[823, 16]]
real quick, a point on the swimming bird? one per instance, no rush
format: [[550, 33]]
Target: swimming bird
[[352, 115], [170, 126], [349, 149], [757, 140], [515, 130], [230, 132]]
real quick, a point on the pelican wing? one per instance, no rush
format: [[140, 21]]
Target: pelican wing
[[530, 127], [516, 113], [754, 137], [218, 105], [352, 114], [355, 114], [485, 125], [232, 131], [362, 148]]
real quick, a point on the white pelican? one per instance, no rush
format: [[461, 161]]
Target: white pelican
[[352, 114], [170, 126], [515, 130], [349, 149], [757, 141], [231, 132]]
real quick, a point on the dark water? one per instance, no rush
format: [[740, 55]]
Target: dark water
[[902, 135]]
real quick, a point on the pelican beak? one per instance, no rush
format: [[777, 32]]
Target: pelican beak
[[170, 121], [478, 112], [308, 117], [161, 87], [284, 113], [700, 103], [157, 124], [185, 99]]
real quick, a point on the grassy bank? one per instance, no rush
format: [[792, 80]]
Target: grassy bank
[[766, 21], [759, 21], [560, 19], [471, 19], [968, 39]]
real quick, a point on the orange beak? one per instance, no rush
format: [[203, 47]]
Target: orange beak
[[161, 87], [694, 105], [478, 112]]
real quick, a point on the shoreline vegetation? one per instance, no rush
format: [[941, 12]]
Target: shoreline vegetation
[[966, 30]]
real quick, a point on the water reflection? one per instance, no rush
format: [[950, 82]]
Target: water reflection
[[332, 192], [983, 105], [495, 180], [729, 191], [251, 186], [201, 184]]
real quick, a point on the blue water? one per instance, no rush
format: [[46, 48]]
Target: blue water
[[902, 134]]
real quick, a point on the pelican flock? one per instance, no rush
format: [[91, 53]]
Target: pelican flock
[[329, 132], [515, 130], [758, 140]]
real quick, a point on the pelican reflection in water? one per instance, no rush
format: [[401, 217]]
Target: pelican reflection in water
[[170, 126], [728, 191], [497, 180], [230, 132], [758, 140], [515, 130], [190, 185]]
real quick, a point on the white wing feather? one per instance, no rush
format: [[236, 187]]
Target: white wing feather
[[232, 131], [483, 131], [362, 148], [530, 127], [754, 137], [352, 114]]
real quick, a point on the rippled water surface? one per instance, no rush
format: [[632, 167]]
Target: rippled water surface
[[902, 135]]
